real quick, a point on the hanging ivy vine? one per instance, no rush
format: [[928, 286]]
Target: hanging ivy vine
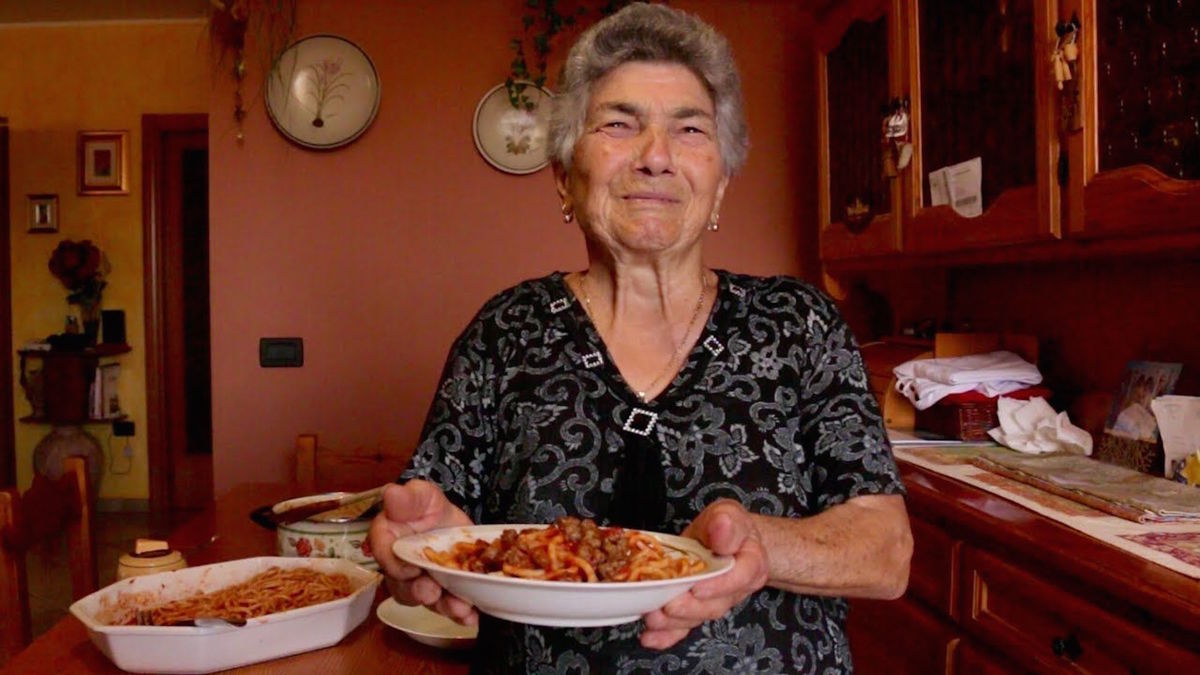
[[271, 24], [541, 23]]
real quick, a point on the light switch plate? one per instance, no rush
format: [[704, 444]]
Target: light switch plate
[[281, 352]]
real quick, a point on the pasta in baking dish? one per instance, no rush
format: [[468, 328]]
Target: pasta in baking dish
[[272, 590], [571, 549]]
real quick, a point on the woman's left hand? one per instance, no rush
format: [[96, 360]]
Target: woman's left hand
[[726, 528]]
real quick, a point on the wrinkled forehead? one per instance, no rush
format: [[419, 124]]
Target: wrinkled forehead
[[631, 80]]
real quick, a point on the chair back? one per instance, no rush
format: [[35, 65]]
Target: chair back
[[322, 469], [48, 508]]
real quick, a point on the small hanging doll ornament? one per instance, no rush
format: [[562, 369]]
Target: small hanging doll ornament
[[1066, 51], [1062, 60], [897, 148]]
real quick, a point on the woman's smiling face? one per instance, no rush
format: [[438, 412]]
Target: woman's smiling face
[[647, 174]]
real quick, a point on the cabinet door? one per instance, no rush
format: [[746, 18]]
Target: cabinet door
[[970, 659], [1047, 629], [981, 86], [934, 574], [1138, 151], [855, 82], [898, 637]]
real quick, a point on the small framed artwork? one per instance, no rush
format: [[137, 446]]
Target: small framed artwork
[[1131, 437], [103, 163], [43, 213]]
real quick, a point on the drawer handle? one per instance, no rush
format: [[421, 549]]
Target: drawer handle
[[1067, 647]]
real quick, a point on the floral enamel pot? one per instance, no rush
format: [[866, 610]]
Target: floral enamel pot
[[306, 539]]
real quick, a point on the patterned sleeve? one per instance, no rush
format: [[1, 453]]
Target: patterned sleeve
[[459, 431], [841, 424]]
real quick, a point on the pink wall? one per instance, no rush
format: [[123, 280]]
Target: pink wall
[[377, 254]]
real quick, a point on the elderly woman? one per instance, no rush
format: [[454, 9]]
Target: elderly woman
[[650, 391]]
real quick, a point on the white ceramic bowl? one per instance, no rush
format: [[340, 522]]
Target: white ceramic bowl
[[306, 539], [554, 603], [426, 626], [180, 649]]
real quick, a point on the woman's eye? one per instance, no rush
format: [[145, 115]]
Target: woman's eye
[[616, 125]]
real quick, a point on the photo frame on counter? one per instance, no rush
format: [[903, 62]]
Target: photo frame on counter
[[1130, 436], [42, 213], [103, 162]]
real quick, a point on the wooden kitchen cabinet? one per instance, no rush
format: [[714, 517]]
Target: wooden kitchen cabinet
[[976, 84], [1107, 166], [996, 588], [1137, 144]]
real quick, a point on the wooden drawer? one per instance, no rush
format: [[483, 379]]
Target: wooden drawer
[[970, 659], [933, 577], [899, 637], [1048, 629]]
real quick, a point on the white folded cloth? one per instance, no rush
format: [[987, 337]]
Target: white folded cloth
[[1033, 427], [927, 381]]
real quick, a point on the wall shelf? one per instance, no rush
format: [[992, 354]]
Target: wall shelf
[[61, 394]]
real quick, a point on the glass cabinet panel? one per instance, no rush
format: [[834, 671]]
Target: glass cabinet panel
[[858, 91], [857, 217], [1148, 85], [1138, 152], [982, 88], [977, 90]]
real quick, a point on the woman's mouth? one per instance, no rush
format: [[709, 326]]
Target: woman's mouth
[[651, 197]]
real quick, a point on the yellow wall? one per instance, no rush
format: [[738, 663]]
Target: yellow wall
[[59, 79]]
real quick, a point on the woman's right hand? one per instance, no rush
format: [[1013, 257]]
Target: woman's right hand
[[417, 506]]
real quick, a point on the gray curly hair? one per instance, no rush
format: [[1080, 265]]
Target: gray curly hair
[[656, 33]]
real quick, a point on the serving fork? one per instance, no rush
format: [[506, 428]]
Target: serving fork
[[143, 617]]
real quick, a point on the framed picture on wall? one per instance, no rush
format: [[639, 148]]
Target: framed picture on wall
[[42, 213], [103, 162]]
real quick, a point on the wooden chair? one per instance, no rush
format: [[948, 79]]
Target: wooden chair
[[47, 508], [320, 469]]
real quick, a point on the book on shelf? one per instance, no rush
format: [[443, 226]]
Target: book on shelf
[[104, 402]]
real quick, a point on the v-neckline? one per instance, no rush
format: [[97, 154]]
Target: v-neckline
[[590, 340]]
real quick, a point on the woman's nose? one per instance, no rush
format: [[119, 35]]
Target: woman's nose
[[654, 155]]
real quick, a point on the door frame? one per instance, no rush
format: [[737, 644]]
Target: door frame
[[153, 178], [8, 443]]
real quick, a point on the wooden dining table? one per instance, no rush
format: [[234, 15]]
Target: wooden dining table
[[222, 532]]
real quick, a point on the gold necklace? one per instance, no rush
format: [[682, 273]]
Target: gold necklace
[[677, 354]]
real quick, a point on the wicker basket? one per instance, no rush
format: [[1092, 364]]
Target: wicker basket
[[967, 421]]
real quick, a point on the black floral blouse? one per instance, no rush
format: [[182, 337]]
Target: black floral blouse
[[532, 421]]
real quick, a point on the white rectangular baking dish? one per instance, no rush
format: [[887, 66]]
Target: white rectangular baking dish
[[186, 649]]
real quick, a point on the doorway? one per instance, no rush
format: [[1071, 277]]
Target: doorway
[[8, 456], [178, 366]]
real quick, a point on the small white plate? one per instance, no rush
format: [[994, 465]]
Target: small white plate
[[426, 626], [554, 603], [510, 139]]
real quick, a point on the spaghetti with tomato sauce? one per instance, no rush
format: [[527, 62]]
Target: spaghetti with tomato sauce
[[571, 549]]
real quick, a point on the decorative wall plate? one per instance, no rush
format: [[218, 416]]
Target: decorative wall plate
[[509, 139], [323, 93]]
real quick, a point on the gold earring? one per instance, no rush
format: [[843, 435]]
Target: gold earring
[[567, 213], [713, 225]]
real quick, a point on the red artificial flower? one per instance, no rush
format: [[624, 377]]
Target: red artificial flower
[[75, 263]]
